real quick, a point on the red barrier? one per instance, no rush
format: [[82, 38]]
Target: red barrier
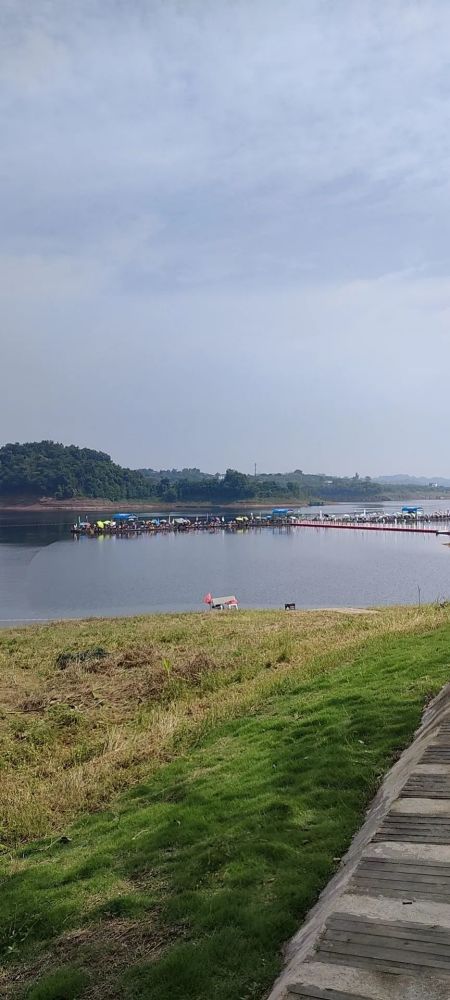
[[370, 527]]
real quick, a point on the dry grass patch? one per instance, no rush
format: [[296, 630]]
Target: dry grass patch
[[105, 948], [86, 706]]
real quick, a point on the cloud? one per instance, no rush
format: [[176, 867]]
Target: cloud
[[231, 116], [237, 208]]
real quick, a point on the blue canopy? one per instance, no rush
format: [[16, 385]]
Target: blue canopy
[[124, 517]]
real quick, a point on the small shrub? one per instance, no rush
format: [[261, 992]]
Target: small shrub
[[167, 666], [63, 660], [66, 983], [65, 717]]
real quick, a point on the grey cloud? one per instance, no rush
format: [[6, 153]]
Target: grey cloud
[[229, 212]]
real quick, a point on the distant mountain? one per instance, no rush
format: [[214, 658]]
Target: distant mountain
[[401, 480]]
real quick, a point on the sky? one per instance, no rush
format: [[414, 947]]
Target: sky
[[225, 232]]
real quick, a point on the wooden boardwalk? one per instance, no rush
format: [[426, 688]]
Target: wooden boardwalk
[[381, 930]]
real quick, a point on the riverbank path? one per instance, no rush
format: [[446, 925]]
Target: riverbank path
[[381, 930]]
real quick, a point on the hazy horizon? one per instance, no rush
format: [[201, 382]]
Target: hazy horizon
[[225, 232]]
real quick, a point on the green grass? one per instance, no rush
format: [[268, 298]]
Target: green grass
[[63, 984], [190, 882]]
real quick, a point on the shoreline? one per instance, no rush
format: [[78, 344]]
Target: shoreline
[[29, 623], [80, 505]]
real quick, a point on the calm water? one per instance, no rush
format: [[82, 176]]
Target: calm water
[[46, 574]]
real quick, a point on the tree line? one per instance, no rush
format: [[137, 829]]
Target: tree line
[[46, 468]]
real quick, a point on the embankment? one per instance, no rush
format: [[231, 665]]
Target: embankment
[[176, 790]]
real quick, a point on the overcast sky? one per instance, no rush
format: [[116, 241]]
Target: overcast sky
[[225, 231]]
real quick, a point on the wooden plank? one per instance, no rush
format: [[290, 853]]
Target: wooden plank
[[318, 993], [413, 828], [400, 876], [393, 968], [407, 825], [405, 944], [441, 779], [375, 863], [439, 841], [438, 868], [375, 860], [429, 793], [421, 819], [440, 828], [396, 957], [428, 778], [424, 881], [418, 827], [401, 891], [392, 928], [385, 939], [421, 881], [404, 884], [427, 786], [407, 895], [403, 868]]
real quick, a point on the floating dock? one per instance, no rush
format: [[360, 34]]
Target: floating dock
[[127, 525]]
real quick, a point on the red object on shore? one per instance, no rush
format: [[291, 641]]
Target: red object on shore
[[207, 599]]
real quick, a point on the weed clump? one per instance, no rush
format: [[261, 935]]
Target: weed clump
[[63, 660], [63, 984]]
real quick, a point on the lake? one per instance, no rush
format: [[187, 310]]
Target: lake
[[46, 574]]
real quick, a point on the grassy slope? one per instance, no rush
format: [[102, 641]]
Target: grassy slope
[[248, 746]]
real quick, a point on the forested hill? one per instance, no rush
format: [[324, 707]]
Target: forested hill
[[45, 469]]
